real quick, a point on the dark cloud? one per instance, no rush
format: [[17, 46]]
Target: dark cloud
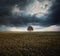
[[6, 18], [13, 2], [40, 0], [6, 5], [55, 15]]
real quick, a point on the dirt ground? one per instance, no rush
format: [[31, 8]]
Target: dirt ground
[[29, 44]]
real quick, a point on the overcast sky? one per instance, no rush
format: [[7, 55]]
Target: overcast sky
[[17, 15]]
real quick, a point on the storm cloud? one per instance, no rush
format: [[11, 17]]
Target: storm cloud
[[20, 13], [55, 15]]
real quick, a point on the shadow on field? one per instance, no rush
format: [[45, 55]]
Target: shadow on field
[[29, 44]]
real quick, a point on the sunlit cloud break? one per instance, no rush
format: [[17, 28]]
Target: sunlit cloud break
[[39, 8], [35, 28]]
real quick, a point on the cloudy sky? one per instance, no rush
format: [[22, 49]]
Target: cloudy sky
[[17, 15]]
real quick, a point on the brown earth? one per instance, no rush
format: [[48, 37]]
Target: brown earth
[[29, 44]]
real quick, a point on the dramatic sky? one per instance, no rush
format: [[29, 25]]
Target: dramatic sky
[[17, 15]]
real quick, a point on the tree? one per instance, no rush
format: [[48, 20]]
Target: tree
[[30, 28]]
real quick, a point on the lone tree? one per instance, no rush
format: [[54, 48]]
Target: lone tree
[[30, 28]]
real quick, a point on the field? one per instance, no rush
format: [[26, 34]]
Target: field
[[29, 44]]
